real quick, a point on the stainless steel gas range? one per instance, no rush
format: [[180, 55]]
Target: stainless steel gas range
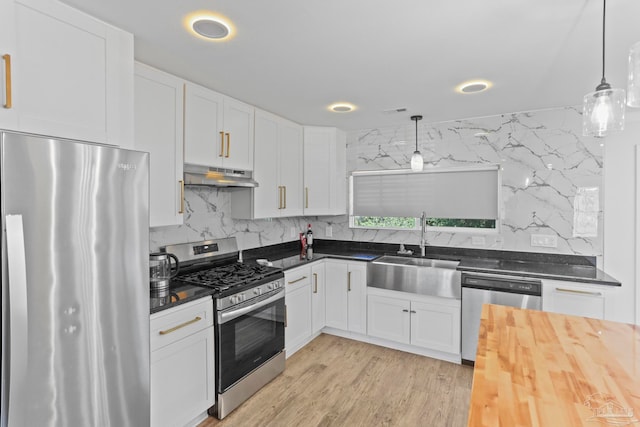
[[249, 317]]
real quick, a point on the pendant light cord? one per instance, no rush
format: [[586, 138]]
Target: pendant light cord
[[604, 12], [416, 134]]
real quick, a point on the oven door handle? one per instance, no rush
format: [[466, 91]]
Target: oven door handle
[[226, 316]]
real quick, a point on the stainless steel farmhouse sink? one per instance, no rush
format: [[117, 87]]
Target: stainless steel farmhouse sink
[[423, 276]]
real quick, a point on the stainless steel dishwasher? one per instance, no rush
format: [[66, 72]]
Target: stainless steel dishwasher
[[483, 288]]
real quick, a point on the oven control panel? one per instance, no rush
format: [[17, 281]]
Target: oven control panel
[[249, 294]]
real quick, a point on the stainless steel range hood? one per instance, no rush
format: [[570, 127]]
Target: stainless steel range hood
[[215, 177]]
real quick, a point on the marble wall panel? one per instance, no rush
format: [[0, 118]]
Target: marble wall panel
[[544, 161]]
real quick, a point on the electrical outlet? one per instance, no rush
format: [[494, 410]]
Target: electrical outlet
[[478, 240], [328, 232], [294, 232], [544, 240]]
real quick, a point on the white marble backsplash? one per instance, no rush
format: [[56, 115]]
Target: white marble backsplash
[[543, 155]]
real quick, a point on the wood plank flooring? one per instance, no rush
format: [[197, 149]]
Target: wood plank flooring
[[335, 381]]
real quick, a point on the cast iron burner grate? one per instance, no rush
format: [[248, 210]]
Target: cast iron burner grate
[[227, 276]]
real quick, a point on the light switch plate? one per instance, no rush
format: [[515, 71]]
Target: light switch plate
[[544, 240], [328, 232]]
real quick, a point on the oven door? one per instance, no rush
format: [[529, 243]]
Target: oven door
[[247, 336]]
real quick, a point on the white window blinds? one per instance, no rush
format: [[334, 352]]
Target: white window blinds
[[461, 193]]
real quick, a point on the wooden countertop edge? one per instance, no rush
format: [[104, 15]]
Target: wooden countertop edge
[[538, 368]]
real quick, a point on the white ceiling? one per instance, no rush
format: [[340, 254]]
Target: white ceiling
[[295, 57]]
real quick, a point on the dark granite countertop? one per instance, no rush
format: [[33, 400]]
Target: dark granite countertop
[[175, 296], [576, 268]]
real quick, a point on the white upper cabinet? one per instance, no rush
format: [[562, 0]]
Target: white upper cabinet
[[218, 130], [238, 119], [64, 73], [325, 172], [158, 112], [277, 169]]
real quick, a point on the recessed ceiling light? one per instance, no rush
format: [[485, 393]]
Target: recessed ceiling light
[[342, 107], [209, 26], [473, 86]]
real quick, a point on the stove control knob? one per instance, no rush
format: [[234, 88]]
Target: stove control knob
[[270, 286], [232, 299], [257, 291], [241, 297]]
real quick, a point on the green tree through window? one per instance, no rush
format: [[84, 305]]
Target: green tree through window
[[405, 223]]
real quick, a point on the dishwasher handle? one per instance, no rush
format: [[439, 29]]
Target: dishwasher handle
[[510, 284]]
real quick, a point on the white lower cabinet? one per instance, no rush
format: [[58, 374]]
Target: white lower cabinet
[[435, 324], [298, 308], [389, 318], [429, 322], [318, 299], [182, 364], [574, 298], [346, 291]]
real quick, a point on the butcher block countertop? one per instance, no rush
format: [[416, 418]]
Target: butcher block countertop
[[535, 368]]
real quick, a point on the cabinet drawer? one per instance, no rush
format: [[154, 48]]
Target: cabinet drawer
[[297, 278], [174, 324]]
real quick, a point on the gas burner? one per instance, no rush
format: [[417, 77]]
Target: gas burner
[[228, 276]]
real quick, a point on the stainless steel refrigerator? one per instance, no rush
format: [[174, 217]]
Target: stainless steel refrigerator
[[75, 289]]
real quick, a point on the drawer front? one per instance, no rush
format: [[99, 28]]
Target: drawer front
[[297, 278], [174, 324]]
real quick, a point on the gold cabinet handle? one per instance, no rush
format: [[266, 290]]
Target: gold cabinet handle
[[221, 144], [349, 281], [285, 315], [297, 280], [315, 283], [279, 197], [306, 197], [182, 325], [7, 82], [285, 197], [228, 144], [575, 291], [181, 211]]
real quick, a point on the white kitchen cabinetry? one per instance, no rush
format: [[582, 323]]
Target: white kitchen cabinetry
[[218, 130], [298, 308], [69, 75], [345, 290], [182, 364], [574, 298], [317, 297], [435, 324], [389, 318], [277, 168], [325, 171], [429, 322], [159, 119]]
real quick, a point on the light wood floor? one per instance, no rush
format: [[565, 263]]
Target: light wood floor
[[340, 382]]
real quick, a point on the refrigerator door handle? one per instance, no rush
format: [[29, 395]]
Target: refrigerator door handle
[[18, 341]]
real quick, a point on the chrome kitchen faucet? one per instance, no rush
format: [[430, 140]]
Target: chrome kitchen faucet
[[423, 233]]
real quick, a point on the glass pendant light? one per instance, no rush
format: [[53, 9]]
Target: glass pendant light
[[417, 163], [633, 87], [603, 110]]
